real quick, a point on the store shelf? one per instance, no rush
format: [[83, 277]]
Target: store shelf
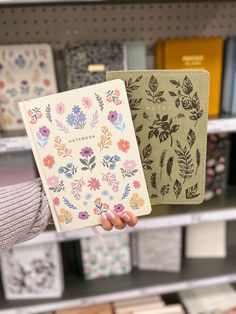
[[18, 143], [195, 273], [14, 144], [220, 208], [222, 125]]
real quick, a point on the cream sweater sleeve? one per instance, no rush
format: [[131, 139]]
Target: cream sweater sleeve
[[24, 213]]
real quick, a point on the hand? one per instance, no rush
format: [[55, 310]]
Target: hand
[[112, 219]]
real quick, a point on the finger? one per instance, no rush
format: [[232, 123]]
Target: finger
[[115, 219], [129, 218], [106, 225]]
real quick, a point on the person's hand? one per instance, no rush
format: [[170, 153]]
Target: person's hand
[[112, 219]]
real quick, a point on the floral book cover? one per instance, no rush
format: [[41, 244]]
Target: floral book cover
[[169, 111], [85, 148], [26, 72]]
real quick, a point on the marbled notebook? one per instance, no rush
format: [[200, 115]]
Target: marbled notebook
[[87, 63], [26, 72], [169, 111], [86, 152]]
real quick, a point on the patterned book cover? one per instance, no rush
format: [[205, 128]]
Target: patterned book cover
[[162, 245], [87, 63], [112, 256], [169, 111], [86, 152], [32, 272], [26, 72]]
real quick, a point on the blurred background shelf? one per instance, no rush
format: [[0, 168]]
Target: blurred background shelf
[[18, 143], [195, 273], [217, 209]]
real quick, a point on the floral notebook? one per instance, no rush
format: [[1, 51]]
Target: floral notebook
[[84, 144], [169, 112], [26, 72]]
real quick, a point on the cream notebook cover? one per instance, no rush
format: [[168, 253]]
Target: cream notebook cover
[[26, 72], [84, 144]]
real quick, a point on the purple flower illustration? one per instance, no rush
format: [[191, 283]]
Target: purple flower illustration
[[119, 208], [83, 215], [86, 152], [112, 117], [44, 131], [24, 82]]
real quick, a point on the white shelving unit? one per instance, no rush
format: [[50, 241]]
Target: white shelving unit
[[19, 143], [166, 216], [196, 273], [58, 22]]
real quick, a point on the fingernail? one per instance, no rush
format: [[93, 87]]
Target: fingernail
[[110, 215], [104, 217], [126, 218]]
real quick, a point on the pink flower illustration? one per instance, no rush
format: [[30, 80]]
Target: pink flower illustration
[[109, 99], [3, 99], [129, 165], [118, 102], [44, 131], [136, 184], [53, 181], [30, 112], [119, 208], [60, 108], [83, 215], [117, 92], [86, 152], [94, 184], [56, 201], [97, 201], [112, 117], [86, 102], [106, 206]]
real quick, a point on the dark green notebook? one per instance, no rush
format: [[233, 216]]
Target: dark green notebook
[[170, 111]]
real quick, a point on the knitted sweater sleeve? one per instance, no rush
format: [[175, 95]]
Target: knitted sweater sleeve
[[24, 213]]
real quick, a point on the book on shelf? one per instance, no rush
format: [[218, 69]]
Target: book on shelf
[[96, 258], [26, 72], [213, 299], [105, 308], [87, 63], [32, 272], [229, 70], [169, 111], [159, 250], [85, 148], [206, 240], [195, 53], [135, 55]]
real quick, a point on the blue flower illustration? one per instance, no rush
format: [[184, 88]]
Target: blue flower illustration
[[20, 61], [117, 158], [81, 117], [71, 118], [76, 109], [69, 170], [88, 196], [105, 193]]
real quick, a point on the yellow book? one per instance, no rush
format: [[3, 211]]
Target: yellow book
[[160, 55], [203, 53]]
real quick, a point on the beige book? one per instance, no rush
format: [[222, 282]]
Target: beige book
[[206, 240], [84, 145]]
